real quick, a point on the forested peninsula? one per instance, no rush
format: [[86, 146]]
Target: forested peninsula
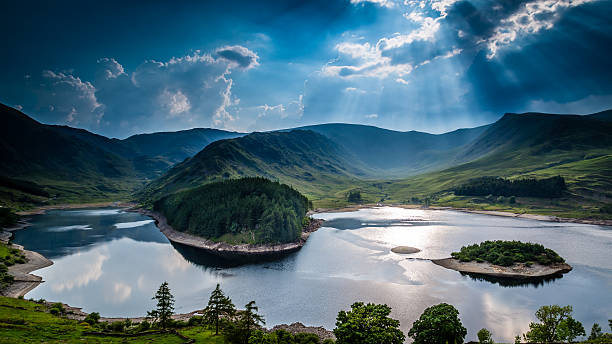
[[238, 216]]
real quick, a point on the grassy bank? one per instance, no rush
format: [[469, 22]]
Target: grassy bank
[[24, 321]]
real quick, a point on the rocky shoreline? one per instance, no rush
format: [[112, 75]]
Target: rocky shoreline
[[23, 280], [225, 250], [515, 271]]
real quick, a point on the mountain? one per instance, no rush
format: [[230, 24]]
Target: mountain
[[395, 153], [302, 158], [579, 148], [61, 164], [42, 163]]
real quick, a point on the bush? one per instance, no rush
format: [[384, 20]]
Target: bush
[[484, 336], [117, 326], [195, 320], [92, 318], [144, 326]]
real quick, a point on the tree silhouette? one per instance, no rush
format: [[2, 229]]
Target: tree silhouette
[[218, 305], [165, 306]]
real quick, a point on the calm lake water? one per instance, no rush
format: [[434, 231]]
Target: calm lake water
[[112, 261]]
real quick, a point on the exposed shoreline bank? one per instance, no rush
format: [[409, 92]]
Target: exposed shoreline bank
[[24, 280], [225, 250], [515, 271]]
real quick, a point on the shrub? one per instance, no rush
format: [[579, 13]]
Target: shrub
[[484, 336], [144, 326], [92, 318], [117, 326], [195, 320]]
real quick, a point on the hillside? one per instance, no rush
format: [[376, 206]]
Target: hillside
[[44, 164], [395, 154], [530, 145], [63, 166], [303, 159]]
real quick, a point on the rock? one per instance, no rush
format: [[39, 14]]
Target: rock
[[405, 250]]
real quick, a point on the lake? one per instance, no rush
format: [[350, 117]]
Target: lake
[[112, 261]]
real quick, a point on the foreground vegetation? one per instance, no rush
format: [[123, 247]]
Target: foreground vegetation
[[31, 321], [247, 210], [506, 253], [8, 257]]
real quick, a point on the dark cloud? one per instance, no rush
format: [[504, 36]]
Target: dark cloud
[[239, 55]]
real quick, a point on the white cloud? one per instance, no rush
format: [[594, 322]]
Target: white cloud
[[354, 90], [371, 116], [531, 18], [74, 98], [18, 107], [111, 69], [382, 3], [121, 292], [176, 102]]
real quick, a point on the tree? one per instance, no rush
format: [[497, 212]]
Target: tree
[[249, 319], [438, 324], [367, 324], [218, 305], [610, 324], [550, 317], [484, 337], [595, 332], [165, 306], [569, 329]]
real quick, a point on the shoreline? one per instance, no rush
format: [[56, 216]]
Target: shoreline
[[528, 216], [225, 250], [24, 280], [516, 271], [41, 210]]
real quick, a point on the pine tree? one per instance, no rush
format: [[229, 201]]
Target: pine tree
[[218, 305], [249, 319], [165, 306]]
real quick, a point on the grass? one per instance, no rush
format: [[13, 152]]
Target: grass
[[24, 321]]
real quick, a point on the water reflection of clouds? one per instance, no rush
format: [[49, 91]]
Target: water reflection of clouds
[[90, 212], [59, 229], [504, 319], [79, 275], [123, 225], [120, 293]]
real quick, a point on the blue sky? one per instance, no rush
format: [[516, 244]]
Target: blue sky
[[119, 68]]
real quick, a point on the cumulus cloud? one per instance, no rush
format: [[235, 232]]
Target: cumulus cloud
[[239, 56], [382, 3], [69, 96], [111, 69], [393, 55], [531, 18]]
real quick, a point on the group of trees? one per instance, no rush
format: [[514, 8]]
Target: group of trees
[[527, 187], [556, 324], [506, 253], [269, 212], [362, 324]]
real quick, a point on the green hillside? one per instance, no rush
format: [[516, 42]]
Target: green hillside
[[308, 161], [394, 154], [48, 164], [530, 145]]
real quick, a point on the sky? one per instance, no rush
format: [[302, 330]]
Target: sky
[[120, 68]]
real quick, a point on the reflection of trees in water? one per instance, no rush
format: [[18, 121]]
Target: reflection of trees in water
[[208, 260], [514, 282]]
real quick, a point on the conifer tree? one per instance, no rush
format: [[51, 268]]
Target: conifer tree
[[165, 306], [218, 305]]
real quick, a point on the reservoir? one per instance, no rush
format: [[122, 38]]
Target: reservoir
[[112, 261]]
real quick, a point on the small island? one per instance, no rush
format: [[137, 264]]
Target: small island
[[506, 259], [237, 219]]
